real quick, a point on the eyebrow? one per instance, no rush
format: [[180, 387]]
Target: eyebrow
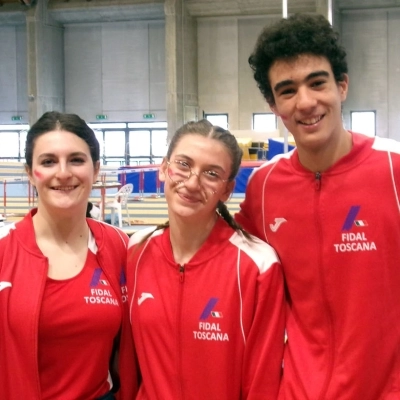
[[310, 76], [74, 154]]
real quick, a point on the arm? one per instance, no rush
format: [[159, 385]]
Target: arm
[[263, 357]]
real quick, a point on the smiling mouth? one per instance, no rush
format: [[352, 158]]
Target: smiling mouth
[[192, 199], [311, 121], [64, 188]]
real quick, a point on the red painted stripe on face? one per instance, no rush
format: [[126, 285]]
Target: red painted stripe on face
[[37, 174]]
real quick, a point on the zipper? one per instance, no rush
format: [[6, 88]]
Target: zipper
[[323, 282], [181, 271], [318, 181]]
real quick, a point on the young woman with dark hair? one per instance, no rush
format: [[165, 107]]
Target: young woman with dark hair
[[207, 298], [62, 284]]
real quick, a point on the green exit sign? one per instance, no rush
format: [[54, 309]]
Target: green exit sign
[[16, 118], [101, 116], [149, 116]]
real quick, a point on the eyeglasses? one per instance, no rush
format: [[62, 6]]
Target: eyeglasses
[[180, 171]]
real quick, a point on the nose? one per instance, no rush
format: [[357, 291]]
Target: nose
[[305, 99], [63, 171], [193, 182]]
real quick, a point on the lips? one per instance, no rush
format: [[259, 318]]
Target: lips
[[64, 188], [189, 198], [310, 121]]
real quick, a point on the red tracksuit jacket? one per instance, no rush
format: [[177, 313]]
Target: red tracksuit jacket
[[338, 237], [210, 329], [23, 273]]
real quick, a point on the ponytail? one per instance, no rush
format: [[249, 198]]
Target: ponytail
[[226, 215]]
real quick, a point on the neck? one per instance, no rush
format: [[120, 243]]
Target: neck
[[60, 228], [187, 237], [320, 159]]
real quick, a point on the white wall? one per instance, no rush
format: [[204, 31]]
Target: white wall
[[218, 67], [372, 41], [13, 73], [250, 98], [226, 83], [117, 69], [365, 38]]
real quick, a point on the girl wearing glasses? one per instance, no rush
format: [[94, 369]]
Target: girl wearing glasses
[[207, 298]]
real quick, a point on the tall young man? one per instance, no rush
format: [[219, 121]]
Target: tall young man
[[331, 209]]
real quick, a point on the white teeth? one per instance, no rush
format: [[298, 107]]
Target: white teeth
[[311, 121], [65, 188]]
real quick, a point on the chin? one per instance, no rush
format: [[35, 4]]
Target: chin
[[67, 208]]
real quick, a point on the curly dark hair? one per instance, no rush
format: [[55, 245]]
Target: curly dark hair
[[289, 38]]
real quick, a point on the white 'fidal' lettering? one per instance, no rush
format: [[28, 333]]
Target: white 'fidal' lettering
[[354, 237], [207, 326]]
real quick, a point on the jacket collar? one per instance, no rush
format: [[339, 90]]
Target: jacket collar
[[362, 148], [213, 245]]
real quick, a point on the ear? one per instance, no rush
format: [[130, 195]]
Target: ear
[[162, 171], [343, 86], [228, 191], [96, 171]]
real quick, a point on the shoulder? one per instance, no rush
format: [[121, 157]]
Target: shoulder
[[260, 252], [103, 231], [261, 172], [142, 235], [387, 153], [22, 229], [386, 145], [6, 241]]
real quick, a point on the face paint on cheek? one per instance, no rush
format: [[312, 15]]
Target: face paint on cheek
[[283, 117], [37, 174], [174, 177], [170, 173]]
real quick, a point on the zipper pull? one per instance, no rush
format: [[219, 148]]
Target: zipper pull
[[181, 273], [318, 181]]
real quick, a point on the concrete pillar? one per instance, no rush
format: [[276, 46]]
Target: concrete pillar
[[181, 65], [45, 62]]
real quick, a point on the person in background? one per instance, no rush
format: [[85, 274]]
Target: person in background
[[62, 284], [330, 208], [207, 305]]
